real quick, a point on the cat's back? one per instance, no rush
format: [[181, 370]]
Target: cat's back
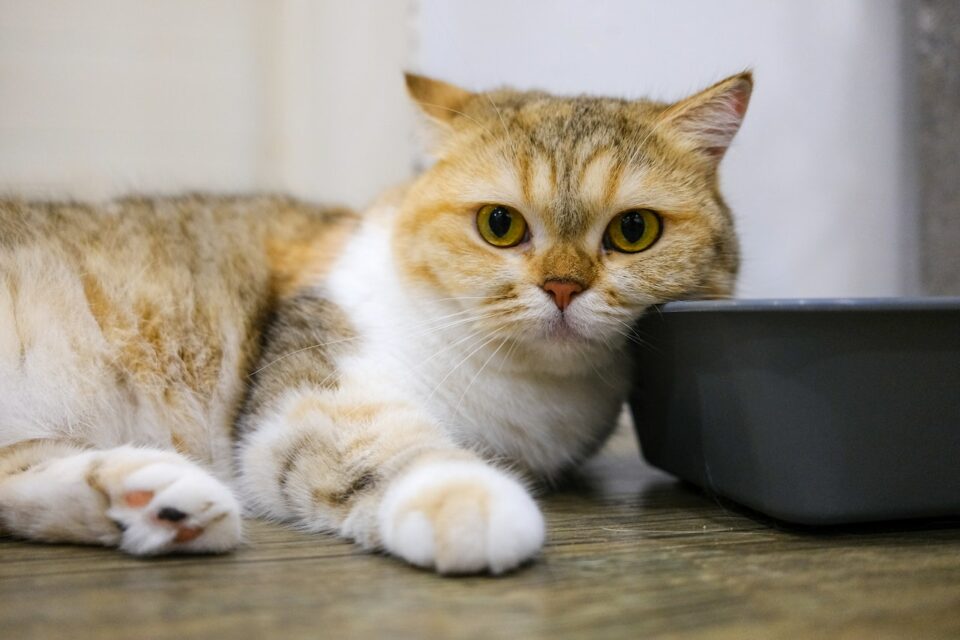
[[165, 248], [145, 259], [161, 229], [137, 319]]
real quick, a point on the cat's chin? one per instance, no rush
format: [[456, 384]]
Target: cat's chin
[[569, 330], [561, 348], [563, 356], [562, 331]]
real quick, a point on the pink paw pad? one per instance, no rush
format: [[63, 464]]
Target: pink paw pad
[[137, 499], [184, 534], [167, 515]]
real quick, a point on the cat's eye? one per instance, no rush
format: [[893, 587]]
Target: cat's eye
[[633, 231], [501, 226]]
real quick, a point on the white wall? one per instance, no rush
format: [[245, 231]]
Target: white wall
[[103, 97], [815, 176]]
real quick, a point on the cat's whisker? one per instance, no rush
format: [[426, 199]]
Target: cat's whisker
[[513, 347], [301, 350], [473, 341], [477, 374], [459, 113], [628, 333], [490, 337], [450, 346], [643, 143], [596, 370], [467, 338], [437, 324], [631, 336], [464, 298], [503, 124], [455, 323], [451, 315], [418, 330]]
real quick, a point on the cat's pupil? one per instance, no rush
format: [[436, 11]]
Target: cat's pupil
[[632, 226], [500, 221]]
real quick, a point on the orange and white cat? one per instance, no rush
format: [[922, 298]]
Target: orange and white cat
[[394, 377]]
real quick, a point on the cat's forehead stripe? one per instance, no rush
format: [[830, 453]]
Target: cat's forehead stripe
[[569, 185], [542, 179], [599, 178], [579, 160]]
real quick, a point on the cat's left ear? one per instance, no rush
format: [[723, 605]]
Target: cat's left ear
[[707, 121], [441, 101]]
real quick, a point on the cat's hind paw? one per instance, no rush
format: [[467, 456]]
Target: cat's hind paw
[[460, 517], [173, 506]]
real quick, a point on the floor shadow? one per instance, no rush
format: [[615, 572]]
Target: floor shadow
[[914, 525]]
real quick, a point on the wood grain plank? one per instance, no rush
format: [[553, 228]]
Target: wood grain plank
[[631, 553]]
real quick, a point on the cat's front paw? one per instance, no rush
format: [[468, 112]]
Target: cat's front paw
[[171, 505], [460, 517]]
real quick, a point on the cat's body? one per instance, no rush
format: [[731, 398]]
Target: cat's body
[[138, 321], [355, 374]]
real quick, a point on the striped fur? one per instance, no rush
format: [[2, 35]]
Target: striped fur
[[389, 377]]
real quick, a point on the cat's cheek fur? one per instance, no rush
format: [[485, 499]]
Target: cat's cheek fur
[[460, 517]]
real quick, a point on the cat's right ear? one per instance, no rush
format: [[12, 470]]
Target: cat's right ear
[[706, 122], [440, 101]]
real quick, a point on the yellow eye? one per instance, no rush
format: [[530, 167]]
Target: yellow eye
[[633, 231], [501, 226]]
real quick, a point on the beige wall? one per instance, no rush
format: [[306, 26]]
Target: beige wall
[[103, 97]]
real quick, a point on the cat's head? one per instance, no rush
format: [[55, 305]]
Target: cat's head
[[557, 221]]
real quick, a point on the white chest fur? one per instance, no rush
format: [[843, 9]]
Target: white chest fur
[[514, 411]]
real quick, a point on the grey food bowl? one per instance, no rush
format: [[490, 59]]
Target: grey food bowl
[[810, 411]]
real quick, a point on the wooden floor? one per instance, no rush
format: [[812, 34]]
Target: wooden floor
[[631, 554]]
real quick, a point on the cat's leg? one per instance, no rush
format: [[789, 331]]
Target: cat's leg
[[384, 475], [334, 446], [145, 501]]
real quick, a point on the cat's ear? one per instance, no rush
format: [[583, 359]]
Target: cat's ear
[[707, 121], [441, 101]]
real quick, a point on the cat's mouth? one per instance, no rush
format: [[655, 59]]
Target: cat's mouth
[[563, 329]]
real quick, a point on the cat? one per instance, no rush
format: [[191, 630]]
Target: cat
[[400, 377]]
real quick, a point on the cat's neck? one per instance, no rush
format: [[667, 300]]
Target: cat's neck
[[493, 394]]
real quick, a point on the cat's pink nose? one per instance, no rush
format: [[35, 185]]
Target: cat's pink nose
[[562, 291]]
